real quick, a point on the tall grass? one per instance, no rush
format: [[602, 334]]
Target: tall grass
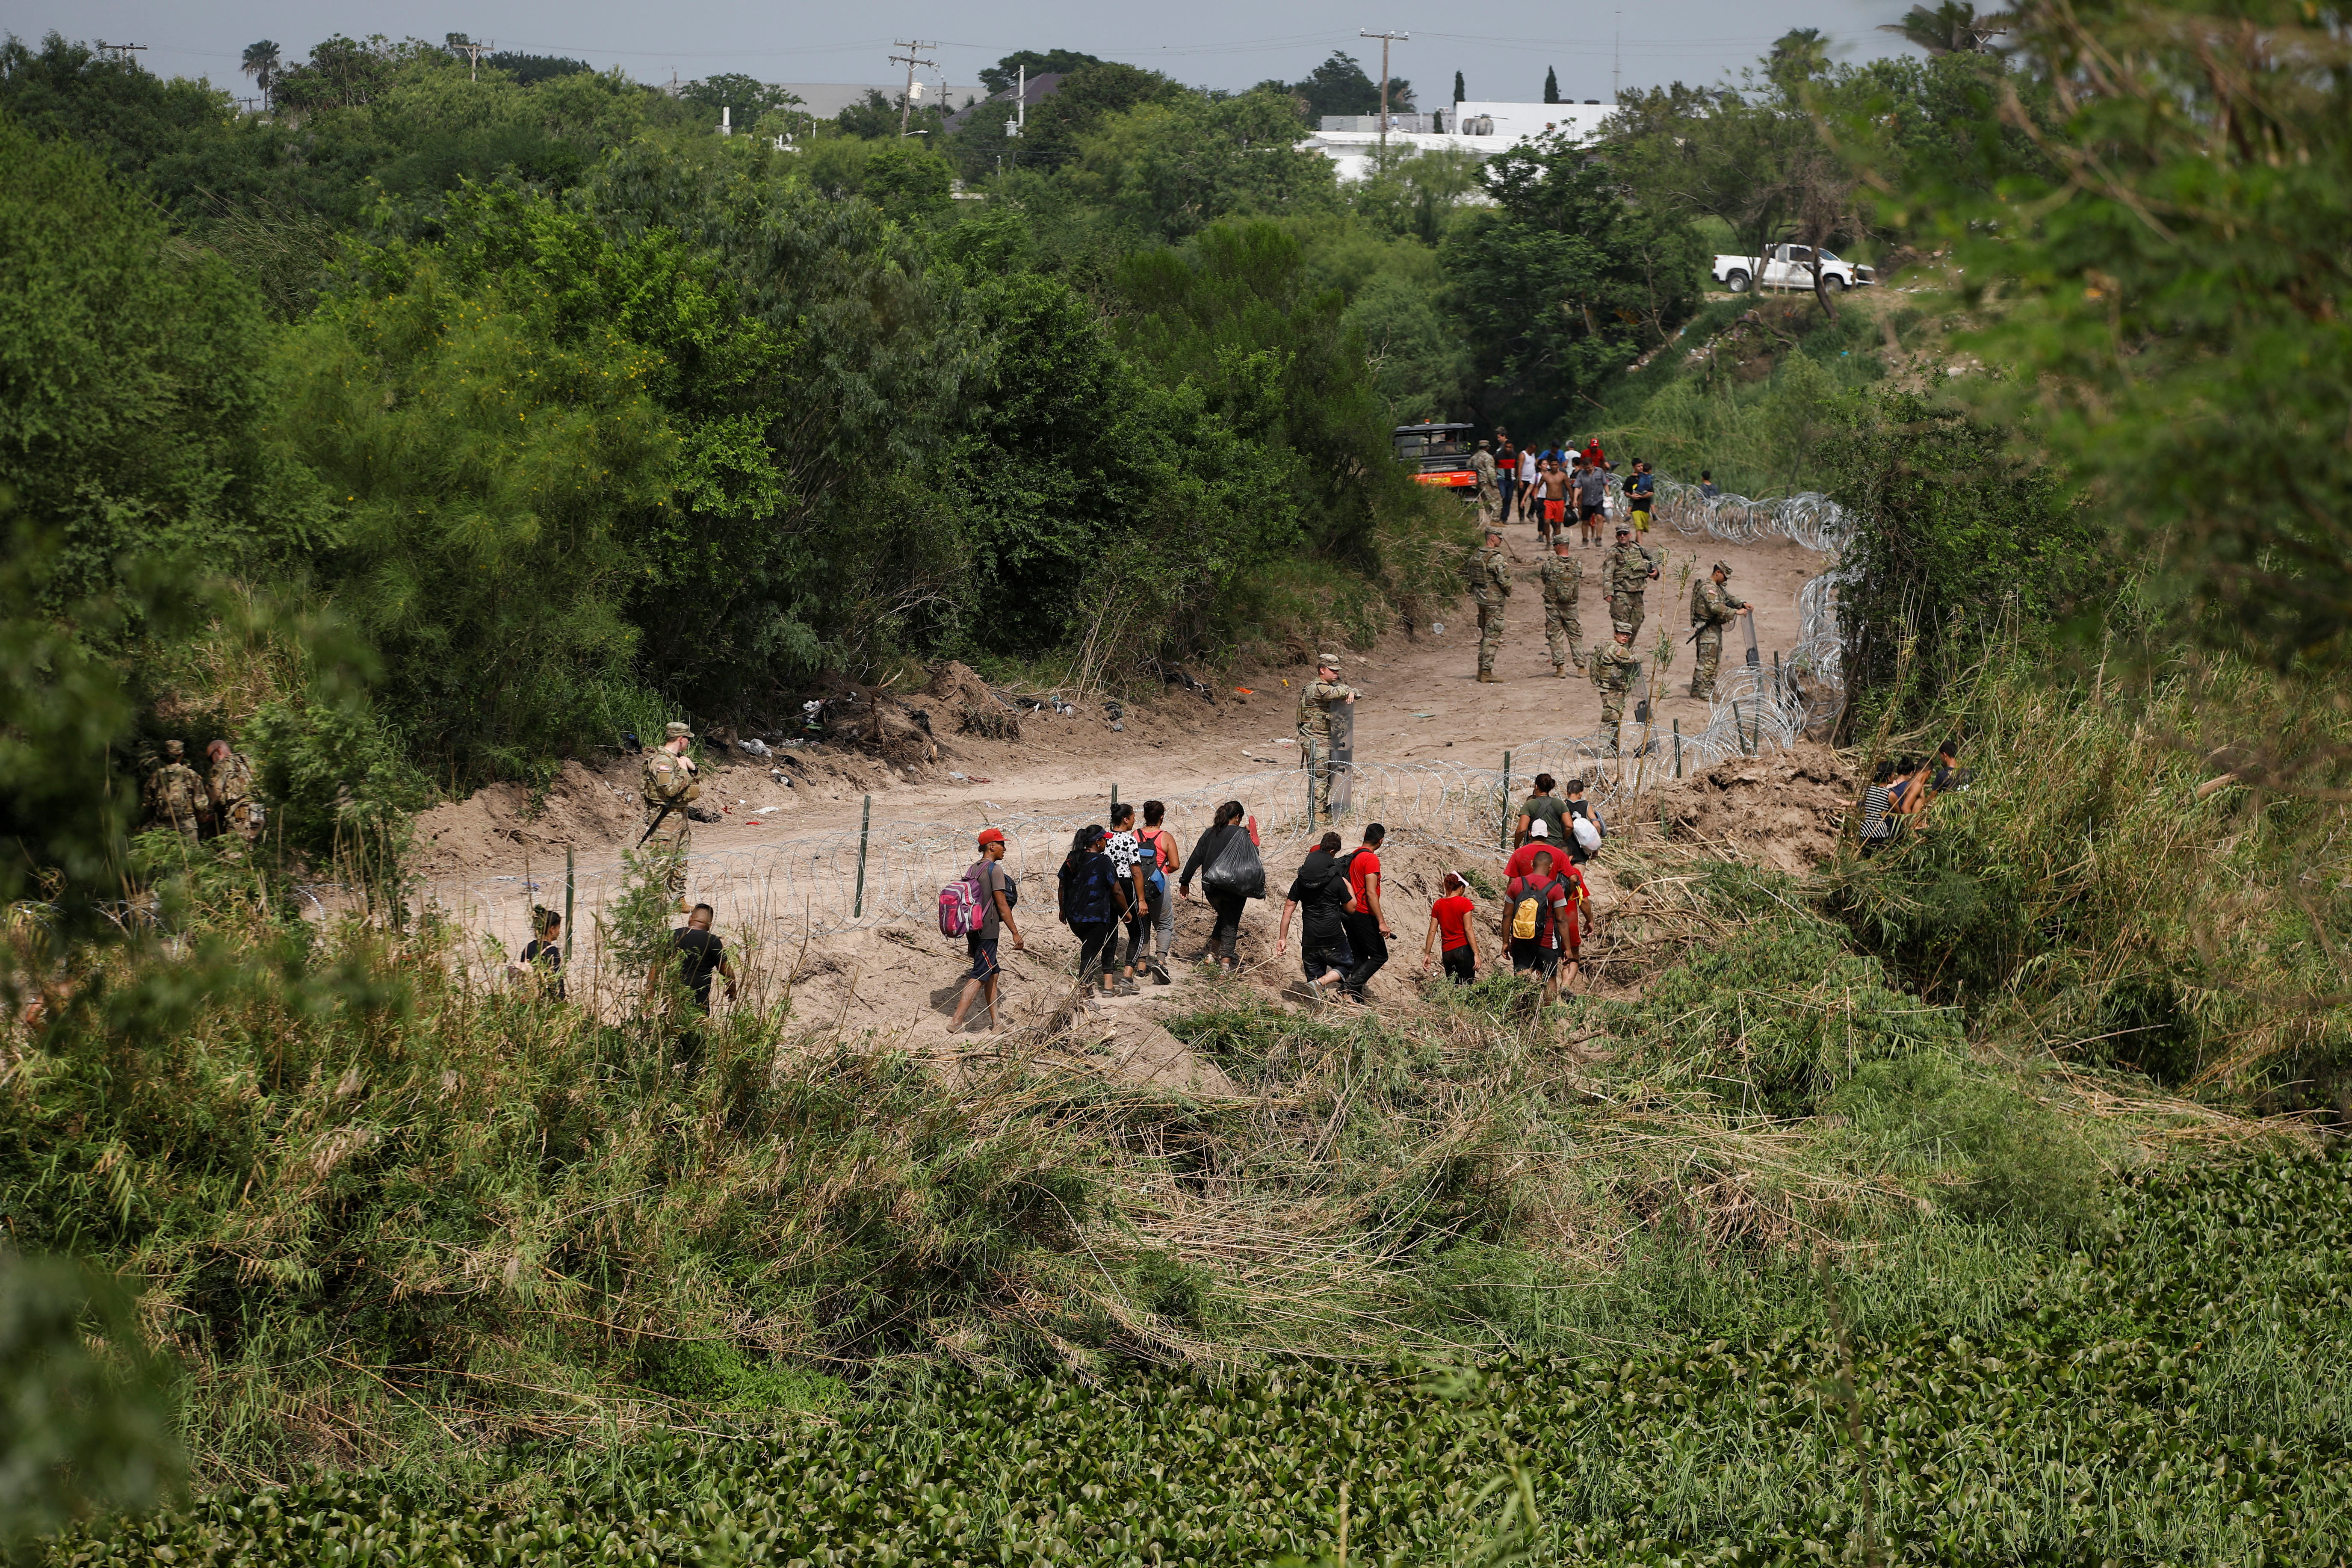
[[2108, 892]]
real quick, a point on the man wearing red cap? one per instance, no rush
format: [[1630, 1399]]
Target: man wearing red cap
[[981, 978]]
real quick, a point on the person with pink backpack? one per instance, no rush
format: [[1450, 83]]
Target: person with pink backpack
[[979, 906]]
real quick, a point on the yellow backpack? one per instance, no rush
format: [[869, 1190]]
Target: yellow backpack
[[1528, 910]]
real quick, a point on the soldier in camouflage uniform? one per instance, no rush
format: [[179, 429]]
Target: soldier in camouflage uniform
[[1315, 727], [1712, 607], [1563, 574], [1613, 668], [1626, 572], [176, 795], [669, 781], [1490, 491], [1490, 585], [228, 783]]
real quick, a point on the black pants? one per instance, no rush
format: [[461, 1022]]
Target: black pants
[[1095, 938], [1229, 915], [1461, 965], [1139, 927], [1370, 947]]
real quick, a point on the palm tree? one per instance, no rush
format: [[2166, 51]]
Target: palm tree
[[1953, 27], [1801, 53], [261, 65]]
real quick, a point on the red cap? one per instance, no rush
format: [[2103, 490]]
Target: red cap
[[991, 835]]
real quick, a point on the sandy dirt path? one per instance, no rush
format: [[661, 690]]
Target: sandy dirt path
[[487, 858]]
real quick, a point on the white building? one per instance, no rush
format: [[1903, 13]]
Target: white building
[[1487, 130]]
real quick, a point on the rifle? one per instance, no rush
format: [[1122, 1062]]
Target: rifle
[[659, 817]]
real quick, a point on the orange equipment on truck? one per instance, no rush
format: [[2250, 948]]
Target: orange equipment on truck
[[1439, 454]]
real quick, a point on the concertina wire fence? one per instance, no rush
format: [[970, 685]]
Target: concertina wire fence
[[890, 872]]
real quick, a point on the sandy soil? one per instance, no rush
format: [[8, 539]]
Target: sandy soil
[[1420, 701]]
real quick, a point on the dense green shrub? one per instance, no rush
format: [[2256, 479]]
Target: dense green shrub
[[2168, 1393]]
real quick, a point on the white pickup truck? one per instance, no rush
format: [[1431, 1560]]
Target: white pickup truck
[[1789, 266]]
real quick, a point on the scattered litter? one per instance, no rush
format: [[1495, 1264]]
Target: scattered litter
[[957, 776], [1243, 691], [978, 779], [755, 748], [1437, 627], [1425, 715], [1283, 742]]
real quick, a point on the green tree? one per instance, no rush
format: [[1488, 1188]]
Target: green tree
[[486, 474], [1460, 94], [1551, 85], [1004, 75], [1172, 167], [2172, 282], [132, 382], [260, 62], [1563, 281], [1340, 85], [746, 97], [1952, 27], [1087, 96], [1960, 542]]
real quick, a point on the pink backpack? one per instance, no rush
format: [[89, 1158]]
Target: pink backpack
[[961, 910]]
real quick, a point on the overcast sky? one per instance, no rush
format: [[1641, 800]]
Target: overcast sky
[[1501, 47]]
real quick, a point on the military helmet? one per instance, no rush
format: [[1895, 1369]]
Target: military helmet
[[676, 732], [1722, 566], [173, 749], [1326, 661]]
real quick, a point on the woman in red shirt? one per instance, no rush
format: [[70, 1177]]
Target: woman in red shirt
[[1449, 917]]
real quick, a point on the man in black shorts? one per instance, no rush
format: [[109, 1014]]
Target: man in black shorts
[[1537, 952]]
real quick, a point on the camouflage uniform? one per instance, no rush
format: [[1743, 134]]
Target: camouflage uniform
[[1314, 734], [670, 781], [1614, 667], [229, 783], [1490, 585], [1490, 491], [1626, 572], [176, 795], [1712, 607], [1562, 576]]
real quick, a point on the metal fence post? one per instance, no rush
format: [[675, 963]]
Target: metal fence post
[[1114, 798], [864, 826], [569, 945], [1506, 803], [1678, 748]]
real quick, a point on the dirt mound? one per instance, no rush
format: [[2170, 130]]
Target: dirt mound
[[1784, 810], [580, 807], [955, 682]]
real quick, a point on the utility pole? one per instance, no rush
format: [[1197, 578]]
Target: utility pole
[[1616, 57], [118, 52], [1385, 38], [910, 59], [474, 47]]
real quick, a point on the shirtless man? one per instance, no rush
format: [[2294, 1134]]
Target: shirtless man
[[1552, 485]]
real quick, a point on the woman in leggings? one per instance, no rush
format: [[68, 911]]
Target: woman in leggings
[[1224, 941]]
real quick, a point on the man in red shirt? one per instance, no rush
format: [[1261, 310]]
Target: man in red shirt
[[1523, 858], [1560, 897], [1367, 923]]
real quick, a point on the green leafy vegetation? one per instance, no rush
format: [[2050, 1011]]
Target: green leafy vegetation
[[2163, 1394]]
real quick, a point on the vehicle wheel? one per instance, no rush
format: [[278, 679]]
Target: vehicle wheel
[[1833, 284], [1738, 282]]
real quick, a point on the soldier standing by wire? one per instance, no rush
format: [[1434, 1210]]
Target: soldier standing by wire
[[1625, 573], [1712, 607], [1490, 585], [176, 795], [669, 787], [1315, 728], [1490, 494], [1563, 575], [229, 785], [1615, 669]]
